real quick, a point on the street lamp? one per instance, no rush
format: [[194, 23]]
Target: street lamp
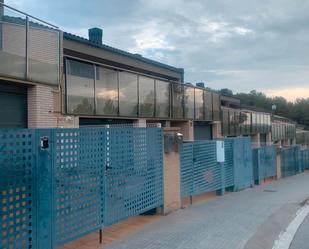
[[274, 108]]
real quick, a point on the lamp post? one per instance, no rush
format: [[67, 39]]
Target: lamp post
[[273, 109]]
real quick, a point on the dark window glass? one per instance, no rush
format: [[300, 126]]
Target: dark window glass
[[199, 104], [216, 106], [225, 122], [80, 87], [232, 123], [146, 97], [127, 94], [162, 99], [189, 102], [208, 105], [245, 122], [237, 123], [177, 93], [106, 91]]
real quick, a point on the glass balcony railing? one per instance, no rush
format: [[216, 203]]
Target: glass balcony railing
[[29, 47]]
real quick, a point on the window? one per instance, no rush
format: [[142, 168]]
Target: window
[[162, 99], [208, 105], [106, 89], [80, 87], [127, 94], [189, 102], [146, 96], [225, 122], [199, 104], [177, 94], [216, 106]]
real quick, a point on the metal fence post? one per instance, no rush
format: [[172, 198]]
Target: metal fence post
[[222, 190], [45, 222]]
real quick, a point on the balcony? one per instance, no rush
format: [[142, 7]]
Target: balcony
[[30, 49]]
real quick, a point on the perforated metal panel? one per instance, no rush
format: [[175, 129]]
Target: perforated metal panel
[[186, 169], [79, 170], [200, 172], [264, 162], [134, 172], [17, 189], [242, 160], [290, 163], [305, 158], [207, 172], [228, 164]]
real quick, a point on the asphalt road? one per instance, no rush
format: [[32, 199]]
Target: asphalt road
[[301, 239]]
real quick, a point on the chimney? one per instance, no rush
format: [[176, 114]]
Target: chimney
[[95, 35]]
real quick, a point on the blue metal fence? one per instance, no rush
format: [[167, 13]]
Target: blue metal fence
[[229, 162], [305, 158], [18, 219], [200, 172], [82, 180], [290, 161], [264, 163], [134, 172], [242, 163]]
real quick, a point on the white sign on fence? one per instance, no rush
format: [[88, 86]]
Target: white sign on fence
[[220, 151]]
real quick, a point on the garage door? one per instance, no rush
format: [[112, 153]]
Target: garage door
[[202, 131], [13, 102]]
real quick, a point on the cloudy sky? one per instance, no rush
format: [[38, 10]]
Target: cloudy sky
[[236, 44]]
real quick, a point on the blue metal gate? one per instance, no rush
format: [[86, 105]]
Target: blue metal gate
[[200, 172], [134, 172], [305, 158], [290, 161], [242, 163], [264, 163], [57, 185]]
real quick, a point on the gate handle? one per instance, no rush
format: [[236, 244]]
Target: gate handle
[[107, 167]]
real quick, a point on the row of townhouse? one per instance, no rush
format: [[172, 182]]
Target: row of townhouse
[[50, 78]]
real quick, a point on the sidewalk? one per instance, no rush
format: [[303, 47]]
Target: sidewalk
[[227, 222]]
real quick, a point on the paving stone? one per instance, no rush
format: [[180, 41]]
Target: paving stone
[[227, 222]]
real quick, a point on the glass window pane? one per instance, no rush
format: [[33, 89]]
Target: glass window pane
[[106, 91], [177, 100], [146, 97], [232, 122], [12, 44], [189, 102], [127, 94], [208, 105], [80, 87], [199, 104], [246, 122], [225, 122], [162, 99], [237, 122], [43, 55], [216, 106]]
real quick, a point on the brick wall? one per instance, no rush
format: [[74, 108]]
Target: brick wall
[[172, 200], [41, 112]]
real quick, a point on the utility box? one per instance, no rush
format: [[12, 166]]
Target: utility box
[[220, 151]]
